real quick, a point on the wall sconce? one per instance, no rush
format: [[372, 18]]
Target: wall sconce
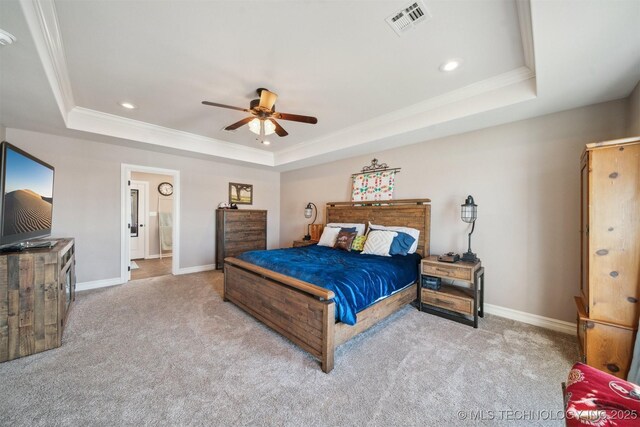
[[308, 211], [469, 214]]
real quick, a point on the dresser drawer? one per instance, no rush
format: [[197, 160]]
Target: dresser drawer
[[449, 271], [244, 246], [605, 346], [245, 216], [449, 298], [245, 237]]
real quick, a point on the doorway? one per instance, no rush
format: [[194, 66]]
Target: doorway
[[150, 222]]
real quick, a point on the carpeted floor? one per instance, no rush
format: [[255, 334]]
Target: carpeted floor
[[169, 351]]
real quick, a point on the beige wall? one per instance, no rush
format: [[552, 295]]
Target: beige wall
[[633, 112], [87, 198], [3, 133], [153, 197], [524, 177]]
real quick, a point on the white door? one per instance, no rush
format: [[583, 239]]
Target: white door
[[138, 203]]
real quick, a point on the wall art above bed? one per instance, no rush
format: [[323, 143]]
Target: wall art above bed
[[373, 182]]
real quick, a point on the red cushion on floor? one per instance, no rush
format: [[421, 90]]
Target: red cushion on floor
[[595, 398]]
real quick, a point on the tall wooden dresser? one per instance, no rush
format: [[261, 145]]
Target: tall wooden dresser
[[608, 305], [238, 231]]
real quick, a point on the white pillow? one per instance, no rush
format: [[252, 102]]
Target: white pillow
[[329, 237], [379, 243], [359, 227], [410, 231]]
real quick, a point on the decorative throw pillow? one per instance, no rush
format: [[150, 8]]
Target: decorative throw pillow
[[329, 236], [401, 244], [359, 227], [349, 229], [379, 242], [358, 243], [410, 231], [344, 240]]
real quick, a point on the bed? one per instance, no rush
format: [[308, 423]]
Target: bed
[[305, 312]]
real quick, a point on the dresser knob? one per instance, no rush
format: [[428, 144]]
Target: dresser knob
[[613, 175], [589, 325], [613, 274], [632, 299], [613, 367], [602, 252]]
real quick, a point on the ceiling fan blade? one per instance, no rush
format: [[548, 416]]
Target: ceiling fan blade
[[215, 104], [238, 124], [279, 129], [296, 118], [267, 99]]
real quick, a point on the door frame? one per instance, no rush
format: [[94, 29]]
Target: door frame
[[125, 214], [145, 215]]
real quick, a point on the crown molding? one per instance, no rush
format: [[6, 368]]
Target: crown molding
[[505, 89], [42, 20], [88, 120], [523, 8]]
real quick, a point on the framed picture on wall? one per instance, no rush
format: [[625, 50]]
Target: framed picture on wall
[[240, 194]]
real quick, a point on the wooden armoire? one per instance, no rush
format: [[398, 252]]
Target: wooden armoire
[[609, 300], [238, 231]]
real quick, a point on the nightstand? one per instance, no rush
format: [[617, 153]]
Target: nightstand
[[463, 304], [299, 243]]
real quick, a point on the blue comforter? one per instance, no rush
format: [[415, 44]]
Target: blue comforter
[[357, 280]]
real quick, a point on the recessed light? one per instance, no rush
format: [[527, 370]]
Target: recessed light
[[266, 142], [127, 105], [450, 65], [6, 38]]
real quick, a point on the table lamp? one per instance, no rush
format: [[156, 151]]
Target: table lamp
[[469, 213], [308, 211]]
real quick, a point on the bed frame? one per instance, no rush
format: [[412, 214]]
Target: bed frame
[[305, 313]]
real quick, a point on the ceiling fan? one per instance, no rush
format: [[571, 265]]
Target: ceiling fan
[[263, 114]]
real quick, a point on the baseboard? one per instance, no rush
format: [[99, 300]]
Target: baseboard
[[197, 269], [85, 286], [532, 319]]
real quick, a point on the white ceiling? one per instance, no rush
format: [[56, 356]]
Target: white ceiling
[[339, 61]]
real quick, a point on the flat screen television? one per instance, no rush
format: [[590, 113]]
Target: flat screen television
[[26, 206]]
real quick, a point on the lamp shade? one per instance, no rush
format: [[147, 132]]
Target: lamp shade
[[308, 211], [469, 210]]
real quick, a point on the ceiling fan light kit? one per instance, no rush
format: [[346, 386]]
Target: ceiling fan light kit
[[263, 114], [255, 124]]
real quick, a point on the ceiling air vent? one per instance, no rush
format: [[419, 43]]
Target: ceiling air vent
[[409, 17]]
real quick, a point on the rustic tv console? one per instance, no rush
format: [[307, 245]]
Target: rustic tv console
[[37, 288]]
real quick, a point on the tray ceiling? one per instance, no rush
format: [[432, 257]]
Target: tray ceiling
[[338, 61]]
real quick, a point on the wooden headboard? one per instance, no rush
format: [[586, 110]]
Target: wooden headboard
[[414, 213]]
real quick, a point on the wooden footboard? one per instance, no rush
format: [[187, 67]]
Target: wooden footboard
[[300, 311]]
